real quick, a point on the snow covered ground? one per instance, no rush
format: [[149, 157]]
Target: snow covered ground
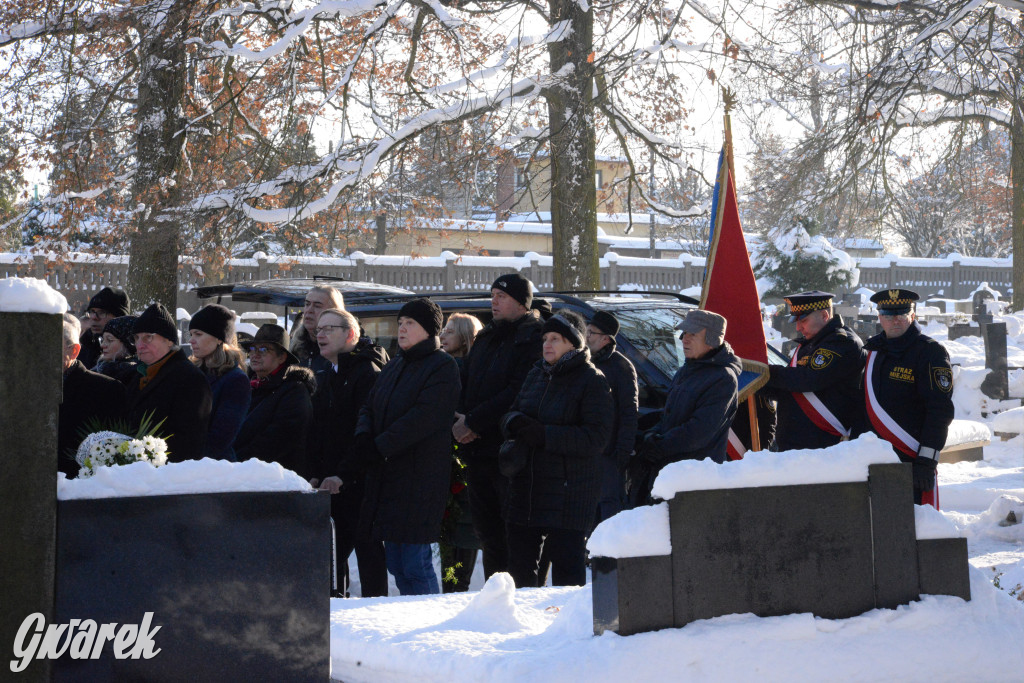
[[500, 634]]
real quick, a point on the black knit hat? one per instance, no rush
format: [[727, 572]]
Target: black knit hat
[[517, 287], [568, 324], [606, 322], [215, 320], [426, 313], [112, 301], [121, 328], [158, 320]]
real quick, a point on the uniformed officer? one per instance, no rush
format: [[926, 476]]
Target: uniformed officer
[[818, 394], [908, 389]]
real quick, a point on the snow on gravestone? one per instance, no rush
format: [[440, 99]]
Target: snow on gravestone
[[30, 389], [790, 527]]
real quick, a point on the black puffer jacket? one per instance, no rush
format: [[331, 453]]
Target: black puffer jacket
[[621, 376], [409, 416], [276, 428], [559, 487], [700, 408], [180, 395], [499, 361], [336, 404]]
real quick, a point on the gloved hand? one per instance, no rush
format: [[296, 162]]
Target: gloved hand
[[924, 473], [363, 448], [532, 432], [517, 423], [652, 450]]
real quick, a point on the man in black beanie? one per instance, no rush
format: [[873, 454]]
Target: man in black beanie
[[621, 376], [502, 355], [106, 305], [169, 387]]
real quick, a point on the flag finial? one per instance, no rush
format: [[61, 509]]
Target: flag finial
[[728, 98]]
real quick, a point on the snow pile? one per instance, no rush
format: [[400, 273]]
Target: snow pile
[[640, 532], [1009, 422], [30, 295], [844, 462], [192, 476], [930, 523], [492, 610], [967, 431], [399, 639]]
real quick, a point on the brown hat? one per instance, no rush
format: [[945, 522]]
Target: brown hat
[[272, 334]]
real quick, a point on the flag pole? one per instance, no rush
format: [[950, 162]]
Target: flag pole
[[729, 99]]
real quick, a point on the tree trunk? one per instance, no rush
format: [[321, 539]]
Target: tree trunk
[[571, 118], [1017, 188], [155, 246]]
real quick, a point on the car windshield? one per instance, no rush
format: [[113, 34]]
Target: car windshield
[[652, 333]]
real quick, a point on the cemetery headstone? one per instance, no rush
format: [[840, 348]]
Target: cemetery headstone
[[996, 384]]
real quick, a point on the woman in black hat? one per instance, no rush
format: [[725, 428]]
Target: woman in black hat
[[281, 409], [216, 353], [560, 424], [403, 439], [168, 387], [117, 350]]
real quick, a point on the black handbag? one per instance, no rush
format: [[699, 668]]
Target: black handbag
[[512, 457]]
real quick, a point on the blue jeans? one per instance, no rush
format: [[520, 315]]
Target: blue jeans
[[413, 568]]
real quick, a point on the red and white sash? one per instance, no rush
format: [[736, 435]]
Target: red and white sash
[[815, 410], [734, 448], [883, 424]]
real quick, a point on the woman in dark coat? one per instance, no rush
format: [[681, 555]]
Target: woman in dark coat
[[404, 437], [281, 408], [215, 351], [169, 387], [562, 417], [117, 351]]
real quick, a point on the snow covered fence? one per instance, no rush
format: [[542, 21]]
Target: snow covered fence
[[78, 276]]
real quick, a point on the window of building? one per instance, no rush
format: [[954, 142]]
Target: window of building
[[598, 179]]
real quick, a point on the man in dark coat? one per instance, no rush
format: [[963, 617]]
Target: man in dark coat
[[346, 370], [403, 438], [106, 305], [908, 390], [621, 376], [281, 409], [818, 395], [170, 388], [700, 406], [501, 357], [564, 415], [88, 397]]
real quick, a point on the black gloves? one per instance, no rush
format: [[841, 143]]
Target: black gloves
[[516, 423], [652, 449], [363, 448], [924, 473], [531, 431]]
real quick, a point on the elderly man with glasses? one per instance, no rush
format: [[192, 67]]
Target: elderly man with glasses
[[275, 430], [169, 387], [908, 389]]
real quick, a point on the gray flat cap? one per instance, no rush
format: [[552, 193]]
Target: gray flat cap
[[713, 323]]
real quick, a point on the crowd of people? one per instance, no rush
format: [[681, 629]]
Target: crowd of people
[[514, 438]]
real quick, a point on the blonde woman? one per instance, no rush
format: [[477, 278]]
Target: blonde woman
[[458, 335], [216, 353], [319, 299]]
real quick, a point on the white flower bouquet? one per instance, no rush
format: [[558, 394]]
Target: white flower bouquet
[[105, 449]]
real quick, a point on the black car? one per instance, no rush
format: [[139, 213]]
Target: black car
[[647, 320]]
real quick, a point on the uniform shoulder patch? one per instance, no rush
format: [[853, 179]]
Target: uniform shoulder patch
[[943, 378], [822, 358]]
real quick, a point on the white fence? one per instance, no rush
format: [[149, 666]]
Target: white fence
[[78, 276]]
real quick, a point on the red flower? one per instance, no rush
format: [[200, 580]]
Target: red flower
[[457, 487]]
